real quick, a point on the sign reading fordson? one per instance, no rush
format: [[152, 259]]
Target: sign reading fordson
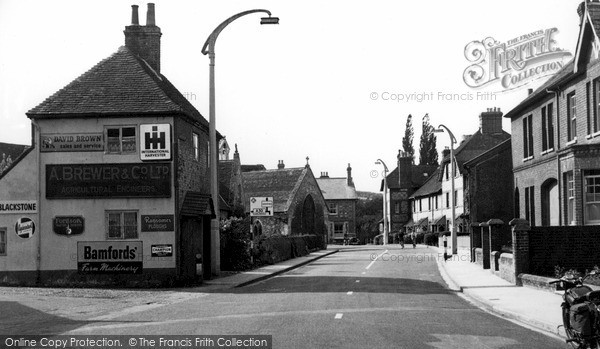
[[109, 257], [82, 181]]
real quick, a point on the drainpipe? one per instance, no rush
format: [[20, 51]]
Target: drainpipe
[[36, 146], [557, 147]]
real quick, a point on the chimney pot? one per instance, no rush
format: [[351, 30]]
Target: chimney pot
[[134, 15], [150, 17], [280, 165]]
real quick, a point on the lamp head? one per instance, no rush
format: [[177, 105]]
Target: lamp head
[[269, 20]]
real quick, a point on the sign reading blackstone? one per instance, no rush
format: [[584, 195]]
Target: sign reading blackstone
[[514, 63], [158, 223], [109, 257], [68, 225], [25, 206], [83, 181], [72, 142], [25, 227], [155, 142]]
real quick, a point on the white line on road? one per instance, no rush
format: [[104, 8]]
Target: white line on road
[[357, 280], [338, 316], [364, 272], [381, 254], [349, 293]]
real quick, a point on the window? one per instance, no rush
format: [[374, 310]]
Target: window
[[397, 207], [196, 139], [120, 140], [122, 224], [528, 137], [596, 109], [570, 188], [571, 117], [455, 198], [530, 205], [338, 228], [588, 107], [547, 128], [420, 205], [436, 202], [591, 192], [447, 199], [333, 208], [446, 174], [2, 241]]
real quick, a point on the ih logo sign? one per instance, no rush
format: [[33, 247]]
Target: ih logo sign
[[155, 142]]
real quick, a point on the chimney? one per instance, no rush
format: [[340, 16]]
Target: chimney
[[405, 164], [581, 12], [280, 165], [350, 181], [324, 175], [490, 121], [529, 91], [236, 154], [144, 41], [445, 152]]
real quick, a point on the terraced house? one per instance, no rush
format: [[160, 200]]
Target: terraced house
[[556, 138]]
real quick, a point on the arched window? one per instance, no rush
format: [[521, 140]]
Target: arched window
[[257, 228], [308, 215]]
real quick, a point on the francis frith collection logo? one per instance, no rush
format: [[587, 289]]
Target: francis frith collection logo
[[514, 63]]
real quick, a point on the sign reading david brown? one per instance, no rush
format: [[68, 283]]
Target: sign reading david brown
[[72, 142], [83, 181], [109, 257], [158, 223], [155, 142]]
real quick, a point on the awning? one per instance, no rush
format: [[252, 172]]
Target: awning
[[196, 204], [423, 222], [440, 221], [460, 219], [410, 223]]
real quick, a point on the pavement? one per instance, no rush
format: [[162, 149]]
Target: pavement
[[534, 308]]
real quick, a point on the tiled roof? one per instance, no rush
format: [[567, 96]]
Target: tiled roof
[[281, 184], [420, 174], [431, 186], [474, 146], [196, 204], [12, 150], [337, 189], [120, 85], [250, 168]]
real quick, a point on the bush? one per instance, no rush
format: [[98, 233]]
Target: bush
[[431, 239], [235, 244]]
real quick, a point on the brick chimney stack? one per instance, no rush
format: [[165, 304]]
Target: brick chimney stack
[[445, 153], [280, 165], [490, 121], [581, 12], [404, 169], [350, 180], [144, 41], [324, 175]]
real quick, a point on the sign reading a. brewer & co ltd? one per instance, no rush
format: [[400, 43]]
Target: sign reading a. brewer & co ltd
[[82, 181]]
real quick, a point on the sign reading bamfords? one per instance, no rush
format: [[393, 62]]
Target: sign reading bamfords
[[68, 225], [72, 142], [155, 142], [82, 181], [158, 223], [109, 257], [7, 207]]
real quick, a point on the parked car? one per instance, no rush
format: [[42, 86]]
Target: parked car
[[354, 241]]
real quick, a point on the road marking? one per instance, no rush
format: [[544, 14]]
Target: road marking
[[338, 316], [374, 260], [357, 280], [364, 272], [349, 293]]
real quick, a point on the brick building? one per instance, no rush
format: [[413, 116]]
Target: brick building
[[340, 196], [231, 190], [298, 204], [115, 190], [556, 138], [431, 204]]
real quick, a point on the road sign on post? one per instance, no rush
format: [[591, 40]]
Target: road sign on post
[[261, 206]]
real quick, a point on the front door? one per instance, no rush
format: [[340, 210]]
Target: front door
[[190, 249]]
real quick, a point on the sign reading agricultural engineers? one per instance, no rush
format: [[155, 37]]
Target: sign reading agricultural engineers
[[109, 257], [82, 181]]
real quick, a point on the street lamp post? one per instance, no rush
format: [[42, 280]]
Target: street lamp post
[[385, 208], [209, 48], [453, 239]]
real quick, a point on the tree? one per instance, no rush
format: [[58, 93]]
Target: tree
[[428, 154], [407, 140]]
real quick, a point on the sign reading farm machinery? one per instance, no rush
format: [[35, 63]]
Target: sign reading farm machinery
[[155, 142], [83, 181], [72, 142], [109, 257]]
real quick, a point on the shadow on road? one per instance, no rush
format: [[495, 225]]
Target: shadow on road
[[339, 284]]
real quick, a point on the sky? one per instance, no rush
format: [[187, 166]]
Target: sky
[[334, 81]]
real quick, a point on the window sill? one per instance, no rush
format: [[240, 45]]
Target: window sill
[[551, 150], [571, 142], [528, 159], [593, 135]]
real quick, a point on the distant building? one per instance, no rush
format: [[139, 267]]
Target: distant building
[[298, 204], [556, 138], [431, 204], [231, 190], [340, 196], [9, 153]]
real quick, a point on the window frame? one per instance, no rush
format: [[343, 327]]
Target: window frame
[[571, 116], [528, 137], [196, 145], [592, 175], [570, 197], [122, 225], [120, 128], [333, 208], [3, 241]]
